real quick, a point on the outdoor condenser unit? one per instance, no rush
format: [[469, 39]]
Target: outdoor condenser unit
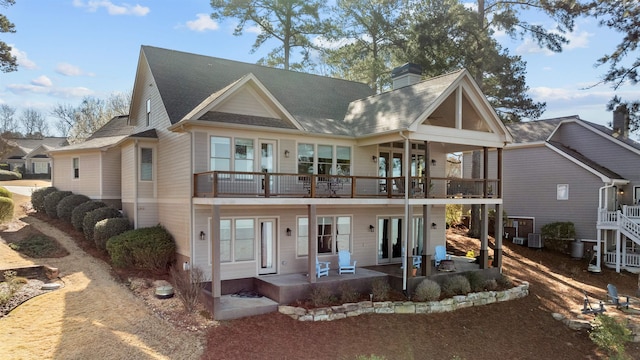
[[535, 241]]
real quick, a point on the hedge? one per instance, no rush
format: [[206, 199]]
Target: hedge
[[77, 215], [150, 248], [65, 206], [92, 217], [6, 209], [51, 202], [108, 228], [5, 193], [38, 195]]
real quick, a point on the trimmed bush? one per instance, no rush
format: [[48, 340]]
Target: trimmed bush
[[477, 282], [150, 248], [6, 209], [51, 202], [65, 206], [427, 290], [320, 295], [347, 293], [92, 217], [107, 228], [38, 195], [5, 193], [456, 285], [77, 214], [9, 175]]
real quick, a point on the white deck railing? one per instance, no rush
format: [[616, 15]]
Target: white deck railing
[[630, 259]]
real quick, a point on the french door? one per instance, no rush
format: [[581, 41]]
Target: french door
[[389, 240]]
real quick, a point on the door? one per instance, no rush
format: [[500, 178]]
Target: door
[[268, 162], [268, 247], [390, 165], [389, 240]]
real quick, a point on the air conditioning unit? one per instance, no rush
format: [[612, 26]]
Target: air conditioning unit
[[535, 241]]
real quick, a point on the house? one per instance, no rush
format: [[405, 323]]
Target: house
[[258, 171], [569, 169], [29, 156]]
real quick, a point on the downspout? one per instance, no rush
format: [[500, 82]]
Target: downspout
[[135, 184], [193, 215], [405, 224]]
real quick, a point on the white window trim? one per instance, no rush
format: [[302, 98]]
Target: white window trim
[[232, 151], [153, 163], [256, 238], [73, 168], [334, 250], [562, 192], [334, 159]]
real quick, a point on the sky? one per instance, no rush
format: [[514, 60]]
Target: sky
[[69, 49]]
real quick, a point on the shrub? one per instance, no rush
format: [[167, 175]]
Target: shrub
[[427, 290], [14, 283], [51, 202], [321, 295], [6, 175], [456, 285], [491, 285], [150, 248], [92, 217], [188, 286], [476, 281], [611, 335], [65, 206], [5, 193], [38, 195], [36, 246], [505, 281], [347, 293], [6, 209], [107, 228], [77, 215], [380, 289]]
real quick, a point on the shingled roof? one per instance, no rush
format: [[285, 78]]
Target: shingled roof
[[184, 80]]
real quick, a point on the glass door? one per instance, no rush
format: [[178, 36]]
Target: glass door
[[268, 163], [268, 248], [389, 240]]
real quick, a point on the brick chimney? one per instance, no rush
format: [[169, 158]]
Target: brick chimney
[[621, 122], [405, 75]]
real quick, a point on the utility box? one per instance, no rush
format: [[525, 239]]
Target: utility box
[[535, 241]]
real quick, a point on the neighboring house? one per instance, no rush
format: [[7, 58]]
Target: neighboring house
[[568, 169], [29, 156], [258, 171]]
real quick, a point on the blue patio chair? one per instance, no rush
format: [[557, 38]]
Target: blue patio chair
[[322, 268], [344, 263], [441, 254], [612, 292], [416, 260]]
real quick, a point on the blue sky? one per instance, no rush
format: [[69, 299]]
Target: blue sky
[[68, 49]]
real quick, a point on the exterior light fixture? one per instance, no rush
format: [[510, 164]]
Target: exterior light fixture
[[374, 158], [434, 225], [288, 231], [371, 228], [433, 162], [286, 153], [202, 235]]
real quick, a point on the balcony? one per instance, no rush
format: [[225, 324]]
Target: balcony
[[232, 184]]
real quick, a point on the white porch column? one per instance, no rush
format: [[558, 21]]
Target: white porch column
[[312, 243], [599, 249], [617, 251]]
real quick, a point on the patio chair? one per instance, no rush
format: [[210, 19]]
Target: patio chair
[[344, 263], [416, 260], [588, 309], [612, 292], [322, 268], [441, 254]]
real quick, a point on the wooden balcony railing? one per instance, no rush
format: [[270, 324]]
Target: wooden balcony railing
[[258, 184]]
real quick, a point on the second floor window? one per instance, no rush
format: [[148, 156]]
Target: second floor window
[[148, 112], [324, 159], [220, 153]]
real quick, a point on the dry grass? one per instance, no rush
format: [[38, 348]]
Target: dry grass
[[91, 317]]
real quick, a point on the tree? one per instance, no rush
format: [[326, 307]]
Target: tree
[[8, 122], [369, 31], [34, 123], [78, 123], [290, 22], [8, 62], [623, 17]]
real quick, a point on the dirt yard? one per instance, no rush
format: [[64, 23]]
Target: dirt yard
[[96, 316]]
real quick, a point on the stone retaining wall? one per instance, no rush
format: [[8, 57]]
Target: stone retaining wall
[[404, 307]]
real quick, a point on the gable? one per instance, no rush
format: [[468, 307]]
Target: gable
[[445, 114], [247, 101]]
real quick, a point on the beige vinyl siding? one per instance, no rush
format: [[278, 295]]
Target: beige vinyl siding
[[247, 102], [127, 210], [128, 174], [364, 244], [290, 164], [362, 163], [202, 248], [201, 152], [175, 217], [89, 181], [531, 189], [147, 214], [146, 89], [111, 179]]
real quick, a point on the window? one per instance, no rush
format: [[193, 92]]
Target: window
[[76, 168], [220, 154], [562, 192], [244, 155], [343, 160], [148, 112], [325, 159], [237, 243], [146, 164], [328, 159], [305, 158], [334, 234]]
